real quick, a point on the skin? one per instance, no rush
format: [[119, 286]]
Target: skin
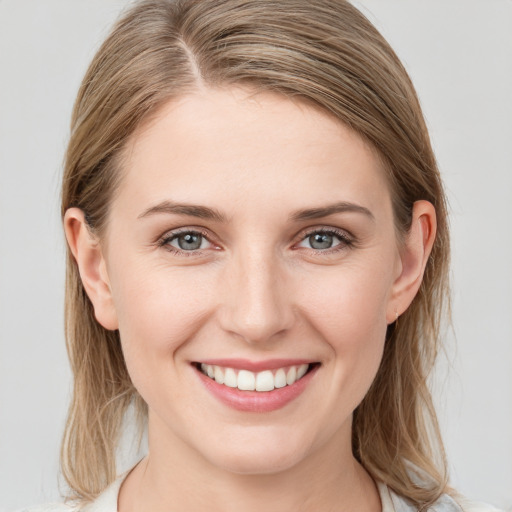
[[257, 289]]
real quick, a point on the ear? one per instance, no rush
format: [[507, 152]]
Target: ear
[[88, 255], [413, 258]]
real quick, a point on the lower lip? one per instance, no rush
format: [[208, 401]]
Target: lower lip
[[256, 401]]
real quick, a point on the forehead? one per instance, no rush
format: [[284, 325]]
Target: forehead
[[224, 144]]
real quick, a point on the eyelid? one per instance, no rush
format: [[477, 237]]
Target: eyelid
[[164, 240], [346, 238]]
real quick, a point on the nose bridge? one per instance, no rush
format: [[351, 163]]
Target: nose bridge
[[256, 305]]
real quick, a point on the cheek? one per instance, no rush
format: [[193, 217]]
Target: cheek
[[158, 310], [348, 310], [349, 303]]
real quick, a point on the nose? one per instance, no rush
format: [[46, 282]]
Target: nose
[[257, 303]]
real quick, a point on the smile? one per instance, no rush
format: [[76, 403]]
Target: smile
[[256, 387], [263, 381]]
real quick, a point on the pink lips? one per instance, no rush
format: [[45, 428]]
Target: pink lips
[[255, 366], [256, 401]]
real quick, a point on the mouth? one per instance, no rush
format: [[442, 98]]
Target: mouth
[[262, 381], [275, 384]]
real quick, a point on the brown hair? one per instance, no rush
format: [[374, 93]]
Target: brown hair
[[324, 52]]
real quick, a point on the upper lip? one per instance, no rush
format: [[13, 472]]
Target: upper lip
[[256, 366]]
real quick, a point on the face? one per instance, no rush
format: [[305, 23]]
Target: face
[[251, 239]]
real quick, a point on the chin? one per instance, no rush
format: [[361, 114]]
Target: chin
[[269, 455], [245, 464]]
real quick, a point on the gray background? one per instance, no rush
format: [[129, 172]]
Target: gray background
[[459, 53]]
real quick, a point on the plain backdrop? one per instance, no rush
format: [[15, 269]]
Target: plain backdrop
[[459, 54]]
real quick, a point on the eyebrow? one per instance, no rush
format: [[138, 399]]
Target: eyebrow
[[325, 211], [192, 210], [204, 212]]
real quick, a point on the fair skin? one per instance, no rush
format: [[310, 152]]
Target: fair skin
[[262, 279]]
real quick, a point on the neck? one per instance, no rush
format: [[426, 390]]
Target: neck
[[176, 478]]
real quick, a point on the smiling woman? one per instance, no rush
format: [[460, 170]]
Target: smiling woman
[[269, 300], [258, 263]]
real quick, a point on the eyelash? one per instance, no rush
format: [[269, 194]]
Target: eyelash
[[346, 241], [170, 236]]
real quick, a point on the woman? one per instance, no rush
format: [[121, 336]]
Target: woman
[[258, 263]]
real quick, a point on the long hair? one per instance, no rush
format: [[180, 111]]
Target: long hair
[[325, 53]]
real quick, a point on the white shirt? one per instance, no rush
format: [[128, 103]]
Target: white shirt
[[391, 502]]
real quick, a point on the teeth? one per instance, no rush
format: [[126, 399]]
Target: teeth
[[265, 381], [230, 378], [245, 380], [218, 374], [280, 379], [291, 376], [301, 371]]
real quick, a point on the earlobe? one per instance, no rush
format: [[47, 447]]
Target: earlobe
[[89, 257], [414, 256]]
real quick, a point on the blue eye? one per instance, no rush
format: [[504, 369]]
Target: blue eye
[[191, 242], [186, 241], [323, 240]]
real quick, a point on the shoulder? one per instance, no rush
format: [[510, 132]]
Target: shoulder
[[392, 502], [474, 506], [460, 504], [105, 502]]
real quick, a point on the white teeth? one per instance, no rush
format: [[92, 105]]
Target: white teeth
[[303, 368], [291, 376], [280, 379], [265, 381], [230, 378], [219, 375], [245, 380]]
